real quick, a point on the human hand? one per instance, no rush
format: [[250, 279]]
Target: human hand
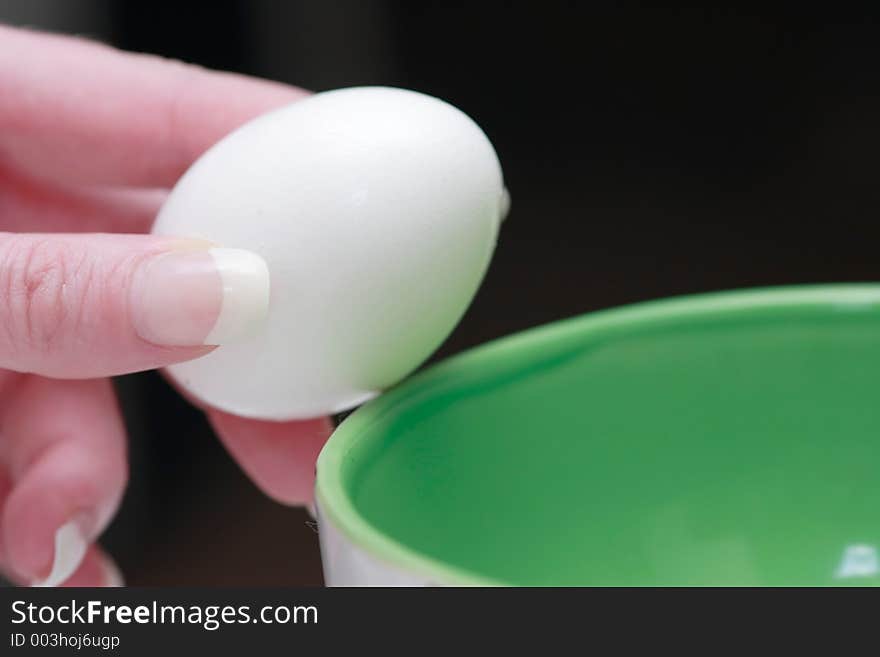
[[90, 141]]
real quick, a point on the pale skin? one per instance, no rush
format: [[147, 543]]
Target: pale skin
[[91, 139]]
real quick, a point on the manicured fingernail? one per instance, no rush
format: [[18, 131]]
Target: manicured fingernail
[[112, 575], [504, 204], [199, 297], [70, 548]]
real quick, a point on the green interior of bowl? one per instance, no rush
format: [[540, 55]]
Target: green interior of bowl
[[729, 439]]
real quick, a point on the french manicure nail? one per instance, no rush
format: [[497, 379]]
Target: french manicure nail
[[112, 574], [70, 548], [504, 204], [199, 297]]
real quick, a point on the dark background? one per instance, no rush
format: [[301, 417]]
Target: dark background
[[648, 153]]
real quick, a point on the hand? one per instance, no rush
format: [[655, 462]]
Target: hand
[[90, 141]]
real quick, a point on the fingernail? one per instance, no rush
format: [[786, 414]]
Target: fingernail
[[70, 548], [199, 297], [112, 574], [504, 205]]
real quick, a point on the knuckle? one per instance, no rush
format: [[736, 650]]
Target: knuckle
[[185, 82], [44, 285]]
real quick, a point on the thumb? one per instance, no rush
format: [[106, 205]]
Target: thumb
[[88, 305]]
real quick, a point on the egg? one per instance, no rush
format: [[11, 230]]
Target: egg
[[377, 212]]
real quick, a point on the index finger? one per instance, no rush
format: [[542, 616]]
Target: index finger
[[279, 457], [84, 112]]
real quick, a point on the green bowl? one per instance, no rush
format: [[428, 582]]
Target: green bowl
[[724, 439]]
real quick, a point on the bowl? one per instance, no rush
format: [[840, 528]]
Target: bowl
[[713, 440]]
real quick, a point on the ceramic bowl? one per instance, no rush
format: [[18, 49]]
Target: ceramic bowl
[[724, 439]]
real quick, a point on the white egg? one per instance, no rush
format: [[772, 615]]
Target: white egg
[[376, 210]]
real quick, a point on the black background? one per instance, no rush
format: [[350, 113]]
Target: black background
[[648, 153]]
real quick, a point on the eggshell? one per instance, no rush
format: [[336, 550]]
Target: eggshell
[[377, 212]]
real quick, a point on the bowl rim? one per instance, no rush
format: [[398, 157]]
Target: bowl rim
[[331, 492]]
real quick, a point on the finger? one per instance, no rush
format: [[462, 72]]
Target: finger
[[97, 569], [5, 489], [83, 112], [278, 456], [76, 306], [65, 450], [33, 206]]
